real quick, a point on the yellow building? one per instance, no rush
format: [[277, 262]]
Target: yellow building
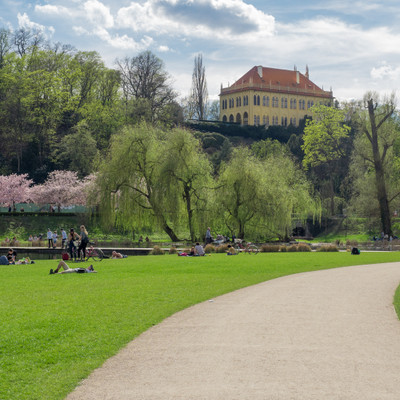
[[270, 96]]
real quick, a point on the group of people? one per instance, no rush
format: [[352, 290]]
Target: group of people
[[77, 243], [11, 258]]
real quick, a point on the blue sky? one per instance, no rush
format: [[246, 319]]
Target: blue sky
[[351, 47]]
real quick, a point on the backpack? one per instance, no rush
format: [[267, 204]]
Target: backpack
[[65, 256]]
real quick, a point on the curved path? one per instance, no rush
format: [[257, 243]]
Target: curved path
[[322, 335]]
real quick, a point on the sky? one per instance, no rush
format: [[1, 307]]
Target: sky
[[350, 47]]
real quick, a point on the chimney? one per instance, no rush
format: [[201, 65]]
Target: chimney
[[307, 72], [260, 71], [297, 77]]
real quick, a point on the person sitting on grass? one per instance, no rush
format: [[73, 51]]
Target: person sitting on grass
[[11, 256], [67, 270], [231, 251], [198, 250]]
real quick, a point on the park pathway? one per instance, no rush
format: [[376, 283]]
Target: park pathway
[[322, 335]]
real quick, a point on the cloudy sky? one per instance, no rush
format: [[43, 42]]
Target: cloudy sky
[[349, 46]]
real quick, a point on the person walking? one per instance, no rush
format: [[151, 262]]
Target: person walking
[[208, 236], [63, 238], [72, 238]]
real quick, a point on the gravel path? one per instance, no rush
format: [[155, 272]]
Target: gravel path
[[322, 335]]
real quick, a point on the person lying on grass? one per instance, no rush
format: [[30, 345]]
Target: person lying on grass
[[68, 270], [115, 254]]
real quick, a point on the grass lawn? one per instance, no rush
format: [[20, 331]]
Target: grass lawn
[[55, 329]]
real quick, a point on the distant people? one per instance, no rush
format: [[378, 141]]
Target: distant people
[[55, 239], [147, 241], [50, 238], [35, 238], [9, 208], [140, 240], [72, 238], [208, 236], [68, 270], [84, 237], [11, 256], [192, 252], [198, 249], [355, 251], [63, 238], [30, 238], [22, 209]]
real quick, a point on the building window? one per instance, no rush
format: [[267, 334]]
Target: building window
[[231, 119], [264, 101], [284, 121], [224, 119], [264, 119], [267, 101], [284, 102], [293, 104], [238, 118], [245, 118], [258, 100], [255, 120], [255, 100], [302, 104]]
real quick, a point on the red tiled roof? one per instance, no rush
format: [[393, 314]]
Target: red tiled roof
[[273, 77]]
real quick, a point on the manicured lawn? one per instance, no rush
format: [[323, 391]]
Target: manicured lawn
[[55, 329]]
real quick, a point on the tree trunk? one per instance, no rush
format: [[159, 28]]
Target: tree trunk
[[168, 230], [189, 213]]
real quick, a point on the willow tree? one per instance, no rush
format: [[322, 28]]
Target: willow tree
[[130, 189], [260, 197], [187, 173]]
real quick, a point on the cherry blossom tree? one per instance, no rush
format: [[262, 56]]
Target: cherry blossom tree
[[14, 189], [62, 188]]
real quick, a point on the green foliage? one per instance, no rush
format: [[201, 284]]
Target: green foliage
[[270, 248], [157, 251], [48, 330], [324, 136]]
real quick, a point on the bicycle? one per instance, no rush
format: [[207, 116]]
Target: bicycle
[[242, 247], [95, 252]]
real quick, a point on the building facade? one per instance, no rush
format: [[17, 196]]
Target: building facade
[[270, 96]]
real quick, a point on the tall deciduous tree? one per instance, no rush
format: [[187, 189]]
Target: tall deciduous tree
[[325, 137], [146, 83], [377, 124], [199, 92]]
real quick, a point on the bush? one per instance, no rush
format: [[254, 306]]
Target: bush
[[223, 248], [303, 247], [173, 250], [328, 248], [269, 248], [352, 243], [283, 249], [210, 248], [157, 251]]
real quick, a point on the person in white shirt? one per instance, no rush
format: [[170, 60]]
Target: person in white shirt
[[198, 250]]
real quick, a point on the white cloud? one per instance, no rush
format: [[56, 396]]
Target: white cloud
[[25, 22], [385, 71], [51, 10], [98, 13], [226, 20]]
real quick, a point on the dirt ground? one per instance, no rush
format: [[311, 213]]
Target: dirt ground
[[322, 335]]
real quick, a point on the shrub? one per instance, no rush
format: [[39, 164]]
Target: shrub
[[352, 243], [292, 248], [223, 248], [328, 248], [303, 247], [210, 248], [157, 251], [283, 249], [269, 248], [173, 250]]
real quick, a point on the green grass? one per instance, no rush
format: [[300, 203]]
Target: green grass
[[55, 329], [332, 238]]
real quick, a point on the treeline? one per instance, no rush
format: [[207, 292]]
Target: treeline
[[59, 107]]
